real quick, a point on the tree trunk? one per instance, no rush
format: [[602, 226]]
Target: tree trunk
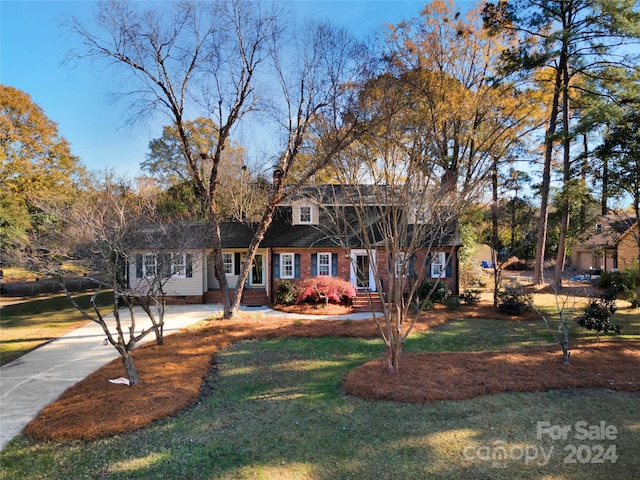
[[395, 340], [130, 367], [541, 244], [566, 175], [604, 201], [251, 254], [562, 248], [265, 221], [564, 342], [636, 301], [217, 260], [584, 170], [159, 331], [494, 233], [392, 357]]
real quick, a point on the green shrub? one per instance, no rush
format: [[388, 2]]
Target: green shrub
[[470, 297], [426, 305], [440, 291], [597, 316], [621, 282], [285, 292], [513, 300], [453, 302]]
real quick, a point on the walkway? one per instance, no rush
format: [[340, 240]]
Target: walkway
[[31, 382]]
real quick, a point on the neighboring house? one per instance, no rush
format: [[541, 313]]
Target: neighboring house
[[300, 243], [485, 255], [611, 245]]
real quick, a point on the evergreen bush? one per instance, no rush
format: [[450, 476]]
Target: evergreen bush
[[285, 292]]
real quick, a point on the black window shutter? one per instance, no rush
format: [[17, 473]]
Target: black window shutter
[[334, 264], [189, 266], [297, 265], [314, 264], [448, 271], [275, 261], [428, 261], [236, 263], [138, 265]]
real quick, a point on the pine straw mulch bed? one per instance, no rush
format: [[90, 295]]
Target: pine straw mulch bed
[[173, 374]]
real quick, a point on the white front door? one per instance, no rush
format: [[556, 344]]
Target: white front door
[[362, 269]]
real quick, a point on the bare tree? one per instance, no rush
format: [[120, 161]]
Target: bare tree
[[101, 231], [565, 308], [393, 206], [405, 230], [314, 95], [222, 59]]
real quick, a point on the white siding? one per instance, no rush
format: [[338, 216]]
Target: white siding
[[177, 286], [295, 211], [213, 283]]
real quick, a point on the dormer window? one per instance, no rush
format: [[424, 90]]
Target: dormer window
[[305, 214]]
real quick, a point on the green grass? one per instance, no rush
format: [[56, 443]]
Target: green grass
[[20, 274], [477, 335], [625, 316], [275, 410], [25, 326]]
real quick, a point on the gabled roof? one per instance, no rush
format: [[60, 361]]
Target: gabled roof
[[613, 228], [172, 236], [335, 227], [338, 194], [328, 233]]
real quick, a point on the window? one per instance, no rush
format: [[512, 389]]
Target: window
[[286, 265], [179, 266], [227, 262], [150, 265], [438, 265], [324, 264], [401, 267], [598, 228], [305, 214], [164, 265]]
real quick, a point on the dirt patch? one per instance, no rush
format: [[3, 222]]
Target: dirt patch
[[173, 375]]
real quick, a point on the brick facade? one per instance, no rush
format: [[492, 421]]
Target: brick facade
[[382, 265]]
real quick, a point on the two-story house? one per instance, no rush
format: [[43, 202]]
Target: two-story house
[[303, 240], [609, 246]]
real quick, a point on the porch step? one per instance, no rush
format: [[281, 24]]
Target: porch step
[[254, 298], [361, 302], [250, 297]]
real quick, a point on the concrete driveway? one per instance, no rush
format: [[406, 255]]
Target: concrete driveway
[[31, 382]]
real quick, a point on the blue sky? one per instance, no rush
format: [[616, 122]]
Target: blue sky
[[33, 47]]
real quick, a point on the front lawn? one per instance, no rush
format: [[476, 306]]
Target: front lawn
[[274, 408], [29, 324]]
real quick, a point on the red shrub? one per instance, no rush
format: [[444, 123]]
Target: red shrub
[[331, 289]]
